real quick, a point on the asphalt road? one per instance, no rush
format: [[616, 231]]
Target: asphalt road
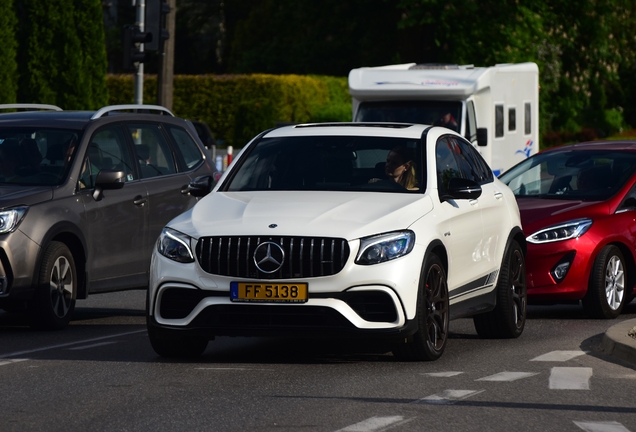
[[101, 374]]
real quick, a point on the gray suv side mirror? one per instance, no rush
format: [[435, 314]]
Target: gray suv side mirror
[[108, 179]]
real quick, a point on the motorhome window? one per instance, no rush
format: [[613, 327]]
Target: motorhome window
[[471, 122], [441, 113], [499, 121], [527, 118], [512, 119]]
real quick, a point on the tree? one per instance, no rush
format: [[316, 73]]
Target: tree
[[580, 48], [8, 51], [56, 63]]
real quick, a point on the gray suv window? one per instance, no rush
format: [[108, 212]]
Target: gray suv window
[[107, 150], [154, 155], [186, 145]]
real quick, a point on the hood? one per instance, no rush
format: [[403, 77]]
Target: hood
[[537, 213], [24, 195], [347, 215]]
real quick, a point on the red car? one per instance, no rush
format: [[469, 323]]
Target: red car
[[578, 209]]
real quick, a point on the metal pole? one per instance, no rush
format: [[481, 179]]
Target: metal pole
[[166, 67], [139, 76]]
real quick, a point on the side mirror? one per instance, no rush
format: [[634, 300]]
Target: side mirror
[[108, 179], [201, 186], [460, 188], [482, 137]]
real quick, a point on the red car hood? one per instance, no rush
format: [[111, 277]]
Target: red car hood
[[538, 213]]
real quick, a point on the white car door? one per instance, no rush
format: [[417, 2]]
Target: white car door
[[462, 226]]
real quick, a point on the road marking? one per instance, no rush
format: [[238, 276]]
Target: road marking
[[12, 361], [91, 346], [601, 426], [570, 378], [448, 397], [559, 356], [231, 369], [508, 376], [442, 374], [374, 424], [18, 353]]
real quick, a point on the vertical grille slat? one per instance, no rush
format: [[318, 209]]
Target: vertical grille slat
[[305, 257]]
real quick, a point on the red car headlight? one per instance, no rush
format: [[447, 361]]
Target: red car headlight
[[564, 231]]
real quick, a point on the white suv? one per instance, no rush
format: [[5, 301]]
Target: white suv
[[350, 230]]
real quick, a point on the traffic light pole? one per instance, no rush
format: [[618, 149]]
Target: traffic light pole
[[139, 76]]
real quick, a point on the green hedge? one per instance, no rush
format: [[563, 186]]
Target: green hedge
[[238, 107]]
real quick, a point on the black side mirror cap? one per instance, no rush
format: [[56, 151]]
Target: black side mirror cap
[[482, 137], [461, 188], [201, 186]]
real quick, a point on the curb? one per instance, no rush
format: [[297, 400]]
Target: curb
[[616, 343]]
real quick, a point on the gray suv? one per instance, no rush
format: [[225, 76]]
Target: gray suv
[[83, 198]]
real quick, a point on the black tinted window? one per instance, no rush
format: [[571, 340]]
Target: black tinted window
[[330, 163]]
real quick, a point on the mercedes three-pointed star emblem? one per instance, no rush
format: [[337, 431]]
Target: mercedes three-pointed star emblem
[[269, 257]]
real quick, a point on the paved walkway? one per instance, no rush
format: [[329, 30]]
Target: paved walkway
[[618, 344]]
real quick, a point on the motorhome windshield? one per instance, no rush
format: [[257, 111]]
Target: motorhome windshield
[[439, 113]]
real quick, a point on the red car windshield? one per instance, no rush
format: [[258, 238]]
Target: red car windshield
[[590, 175]]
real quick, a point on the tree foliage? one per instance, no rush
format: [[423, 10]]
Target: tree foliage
[[582, 48], [8, 51], [57, 63]]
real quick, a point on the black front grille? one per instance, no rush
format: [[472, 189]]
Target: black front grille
[[304, 256]]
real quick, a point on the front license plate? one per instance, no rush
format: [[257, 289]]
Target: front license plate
[[268, 292]]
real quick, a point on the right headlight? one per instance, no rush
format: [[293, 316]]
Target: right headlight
[[564, 231], [385, 247], [175, 245], [11, 218]]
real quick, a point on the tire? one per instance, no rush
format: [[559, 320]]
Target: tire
[[173, 347], [429, 342], [508, 319], [53, 303], [605, 296]]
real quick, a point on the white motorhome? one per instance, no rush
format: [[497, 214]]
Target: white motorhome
[[496, 108]]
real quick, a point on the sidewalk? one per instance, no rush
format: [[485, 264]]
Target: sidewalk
[[616, 343]]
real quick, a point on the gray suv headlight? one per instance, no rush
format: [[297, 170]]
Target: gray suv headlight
[[385, 247], [175, 245], [11, 218]]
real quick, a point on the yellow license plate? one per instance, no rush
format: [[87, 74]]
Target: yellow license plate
[[268, 292]]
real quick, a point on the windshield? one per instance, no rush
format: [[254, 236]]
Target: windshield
[[575, 175], [36, 156], [334, 163], [438, 113]]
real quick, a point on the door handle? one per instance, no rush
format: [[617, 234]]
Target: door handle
[[473, 202], [185, 190], [139, 200], [498, 195]]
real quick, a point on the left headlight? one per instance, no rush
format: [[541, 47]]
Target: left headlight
[[565, 231], [11, 218], [385, 247], [175, 246]]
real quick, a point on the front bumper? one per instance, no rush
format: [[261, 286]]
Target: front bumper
[[377, 301], [18, 258], [541, 260]]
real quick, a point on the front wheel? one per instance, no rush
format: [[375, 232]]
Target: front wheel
[[508, 318], [54, 301], [605, 296], [429, 342]]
